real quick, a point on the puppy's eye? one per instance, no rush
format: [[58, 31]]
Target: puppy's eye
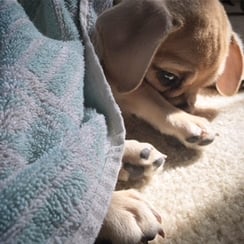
[[168, 79]]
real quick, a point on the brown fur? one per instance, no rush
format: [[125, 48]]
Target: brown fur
[[192, 40], [136, 40]]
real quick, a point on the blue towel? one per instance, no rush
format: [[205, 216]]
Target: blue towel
[[61, 132]]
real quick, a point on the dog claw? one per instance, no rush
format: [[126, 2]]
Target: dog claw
[[193, 139], [158, 162], [200, 140], [146, 239], [205, 142], [161, 233]]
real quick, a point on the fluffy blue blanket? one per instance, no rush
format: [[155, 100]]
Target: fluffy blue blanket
[[61, 133]]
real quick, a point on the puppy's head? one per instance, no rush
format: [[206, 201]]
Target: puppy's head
[[176, 46]]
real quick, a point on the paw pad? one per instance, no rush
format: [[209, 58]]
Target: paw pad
[[145, 153], [140, 161]]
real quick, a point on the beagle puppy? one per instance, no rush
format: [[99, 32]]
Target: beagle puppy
[[156, 55]]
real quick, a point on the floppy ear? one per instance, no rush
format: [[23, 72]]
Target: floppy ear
[[230, 81], [127, 37]]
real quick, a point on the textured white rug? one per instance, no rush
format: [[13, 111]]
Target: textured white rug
[[200, 194]]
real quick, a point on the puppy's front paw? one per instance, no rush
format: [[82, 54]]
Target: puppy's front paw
[[130, 220], [192, 130], [140, 161]]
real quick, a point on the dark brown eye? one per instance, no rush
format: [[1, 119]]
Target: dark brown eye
[[168, 79]]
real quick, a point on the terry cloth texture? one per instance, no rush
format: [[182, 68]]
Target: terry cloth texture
[[61, 133]]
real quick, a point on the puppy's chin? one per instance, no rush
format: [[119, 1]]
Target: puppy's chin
[[184, 101], [176, 97]]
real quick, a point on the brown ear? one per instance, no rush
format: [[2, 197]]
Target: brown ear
[[229, 82], [127, 37]]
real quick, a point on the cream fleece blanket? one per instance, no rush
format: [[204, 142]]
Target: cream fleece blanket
[[200, 194]]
